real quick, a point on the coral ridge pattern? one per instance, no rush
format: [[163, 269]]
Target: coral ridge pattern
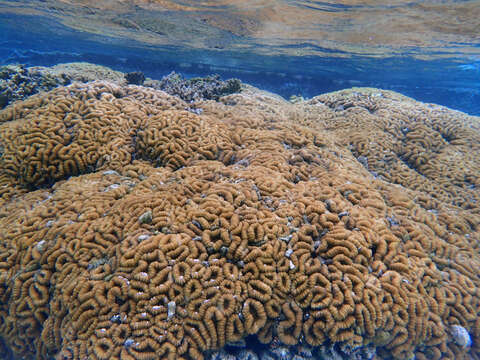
[[134, 228]]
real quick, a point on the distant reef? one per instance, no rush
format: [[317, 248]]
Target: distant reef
[[18, 82], [137, 225]]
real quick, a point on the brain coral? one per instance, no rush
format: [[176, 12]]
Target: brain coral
[[131, 228]]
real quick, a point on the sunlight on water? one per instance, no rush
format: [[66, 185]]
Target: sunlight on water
[[426, 29]]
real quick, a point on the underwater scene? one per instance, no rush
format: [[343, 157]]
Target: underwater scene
[[240, 180]]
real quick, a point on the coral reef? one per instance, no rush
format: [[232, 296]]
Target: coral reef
[[135, 78], [196, 89], [345, 226], [420, 148], [82, 72], [17, 83]]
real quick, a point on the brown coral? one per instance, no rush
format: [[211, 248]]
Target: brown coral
[[131, 228]]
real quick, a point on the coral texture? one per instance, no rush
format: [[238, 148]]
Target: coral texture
[[135, 78], [18, 82], [196, 89], [133, 229]]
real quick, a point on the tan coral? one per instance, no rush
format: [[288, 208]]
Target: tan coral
[[131, 228]]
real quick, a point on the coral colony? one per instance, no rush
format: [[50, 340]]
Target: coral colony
[[132, 227]]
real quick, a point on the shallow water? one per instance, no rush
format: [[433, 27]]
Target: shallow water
[[429, 50], [328, 212]]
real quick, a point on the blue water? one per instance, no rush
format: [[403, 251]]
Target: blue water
[[454, 83], [450, 81]]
